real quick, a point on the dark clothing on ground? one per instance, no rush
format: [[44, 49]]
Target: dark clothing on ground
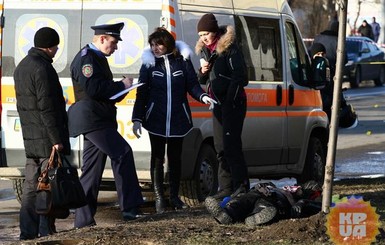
[[94, 115], [225, 83], [288, 204], [43, 119]]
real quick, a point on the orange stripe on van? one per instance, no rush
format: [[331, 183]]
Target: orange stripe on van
[[262, 97], [172, 22], [208, 114]]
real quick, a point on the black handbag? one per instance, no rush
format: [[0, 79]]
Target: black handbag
[[59, 187]]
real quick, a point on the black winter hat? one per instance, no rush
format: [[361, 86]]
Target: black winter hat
[[208, 22], [317, 47], [46, 37]]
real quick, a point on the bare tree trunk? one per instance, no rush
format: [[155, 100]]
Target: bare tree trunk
[[358, 15]]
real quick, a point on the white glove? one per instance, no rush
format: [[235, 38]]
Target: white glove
[[207, 100], [137, 128]]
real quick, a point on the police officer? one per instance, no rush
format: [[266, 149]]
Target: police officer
[[94, 116]]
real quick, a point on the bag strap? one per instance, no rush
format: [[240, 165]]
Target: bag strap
[[54, 159]]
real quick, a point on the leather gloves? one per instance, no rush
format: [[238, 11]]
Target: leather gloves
[[137, 128], [207, 100]]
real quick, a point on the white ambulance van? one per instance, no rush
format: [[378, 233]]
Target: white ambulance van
[[285, 130]]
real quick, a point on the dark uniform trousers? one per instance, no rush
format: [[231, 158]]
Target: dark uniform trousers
[[33, 225], [231, 118], [97, 146]]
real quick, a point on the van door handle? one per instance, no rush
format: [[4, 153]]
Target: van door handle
[[279, 95], [291, 94]]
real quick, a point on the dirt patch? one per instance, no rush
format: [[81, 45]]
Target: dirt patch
[[195, 226]]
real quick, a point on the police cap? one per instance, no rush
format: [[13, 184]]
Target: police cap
[[109, 29]]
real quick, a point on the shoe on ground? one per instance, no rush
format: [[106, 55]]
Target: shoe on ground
[[264, 216], [178, 204], [132, 214], [223, 218], [213, 206]]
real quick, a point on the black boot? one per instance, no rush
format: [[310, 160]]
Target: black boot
[[174, 181], [157, 175]]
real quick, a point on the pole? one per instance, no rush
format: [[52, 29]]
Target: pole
[[332, 144]]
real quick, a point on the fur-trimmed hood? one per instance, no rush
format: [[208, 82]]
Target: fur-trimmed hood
[[148, 57], [226, 39]]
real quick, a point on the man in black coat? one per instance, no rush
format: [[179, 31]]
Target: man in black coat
[[94, 116], [43, 119]]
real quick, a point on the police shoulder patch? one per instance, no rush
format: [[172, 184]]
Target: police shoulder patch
[[87, 70]]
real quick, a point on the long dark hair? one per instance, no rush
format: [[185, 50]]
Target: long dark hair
[[163, 37]]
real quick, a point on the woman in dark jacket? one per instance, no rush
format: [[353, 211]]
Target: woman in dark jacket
[[223, 69], [162, 107]]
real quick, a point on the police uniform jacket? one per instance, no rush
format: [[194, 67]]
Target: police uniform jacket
[[161, 104], [228, 74], [93, 86], [41, 105]]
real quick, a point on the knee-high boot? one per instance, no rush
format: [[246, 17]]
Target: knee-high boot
[[174, 181], [157, 176]]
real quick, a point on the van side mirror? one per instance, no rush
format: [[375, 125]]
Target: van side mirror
[[320, 73]]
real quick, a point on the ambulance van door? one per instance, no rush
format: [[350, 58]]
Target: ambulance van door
[[22, 19], [307, 122], [263, 135]]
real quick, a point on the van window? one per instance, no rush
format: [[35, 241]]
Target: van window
[[299, 62], [259, 39]]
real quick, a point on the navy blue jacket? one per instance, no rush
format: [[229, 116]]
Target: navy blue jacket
[[161, 104], [93, 86]]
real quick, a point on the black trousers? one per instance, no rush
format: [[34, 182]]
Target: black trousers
[[174, 152], [33, 225], [231, 117], [97, 146]]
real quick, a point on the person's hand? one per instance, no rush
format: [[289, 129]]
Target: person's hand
[[205, 66], [127, 81], [207, 100], [296, 209], [137, 128], [58, 147]]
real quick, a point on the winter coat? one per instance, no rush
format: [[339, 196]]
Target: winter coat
[[228, 74], [366, 31], [161, 103], [93, 86], [41, 105]]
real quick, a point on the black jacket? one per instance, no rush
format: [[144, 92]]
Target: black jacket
[[41, 105], [228, 74], [162, 104], [93, 86]]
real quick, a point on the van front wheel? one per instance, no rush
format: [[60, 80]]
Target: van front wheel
[[315, 162], [205, 181]]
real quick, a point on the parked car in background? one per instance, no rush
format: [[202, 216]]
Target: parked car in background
[[366, 61]]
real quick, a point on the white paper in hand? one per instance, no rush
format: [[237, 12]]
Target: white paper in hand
[[134, 86]]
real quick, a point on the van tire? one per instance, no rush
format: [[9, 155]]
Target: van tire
[[314, 168], [205, 180], [18, 188]]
